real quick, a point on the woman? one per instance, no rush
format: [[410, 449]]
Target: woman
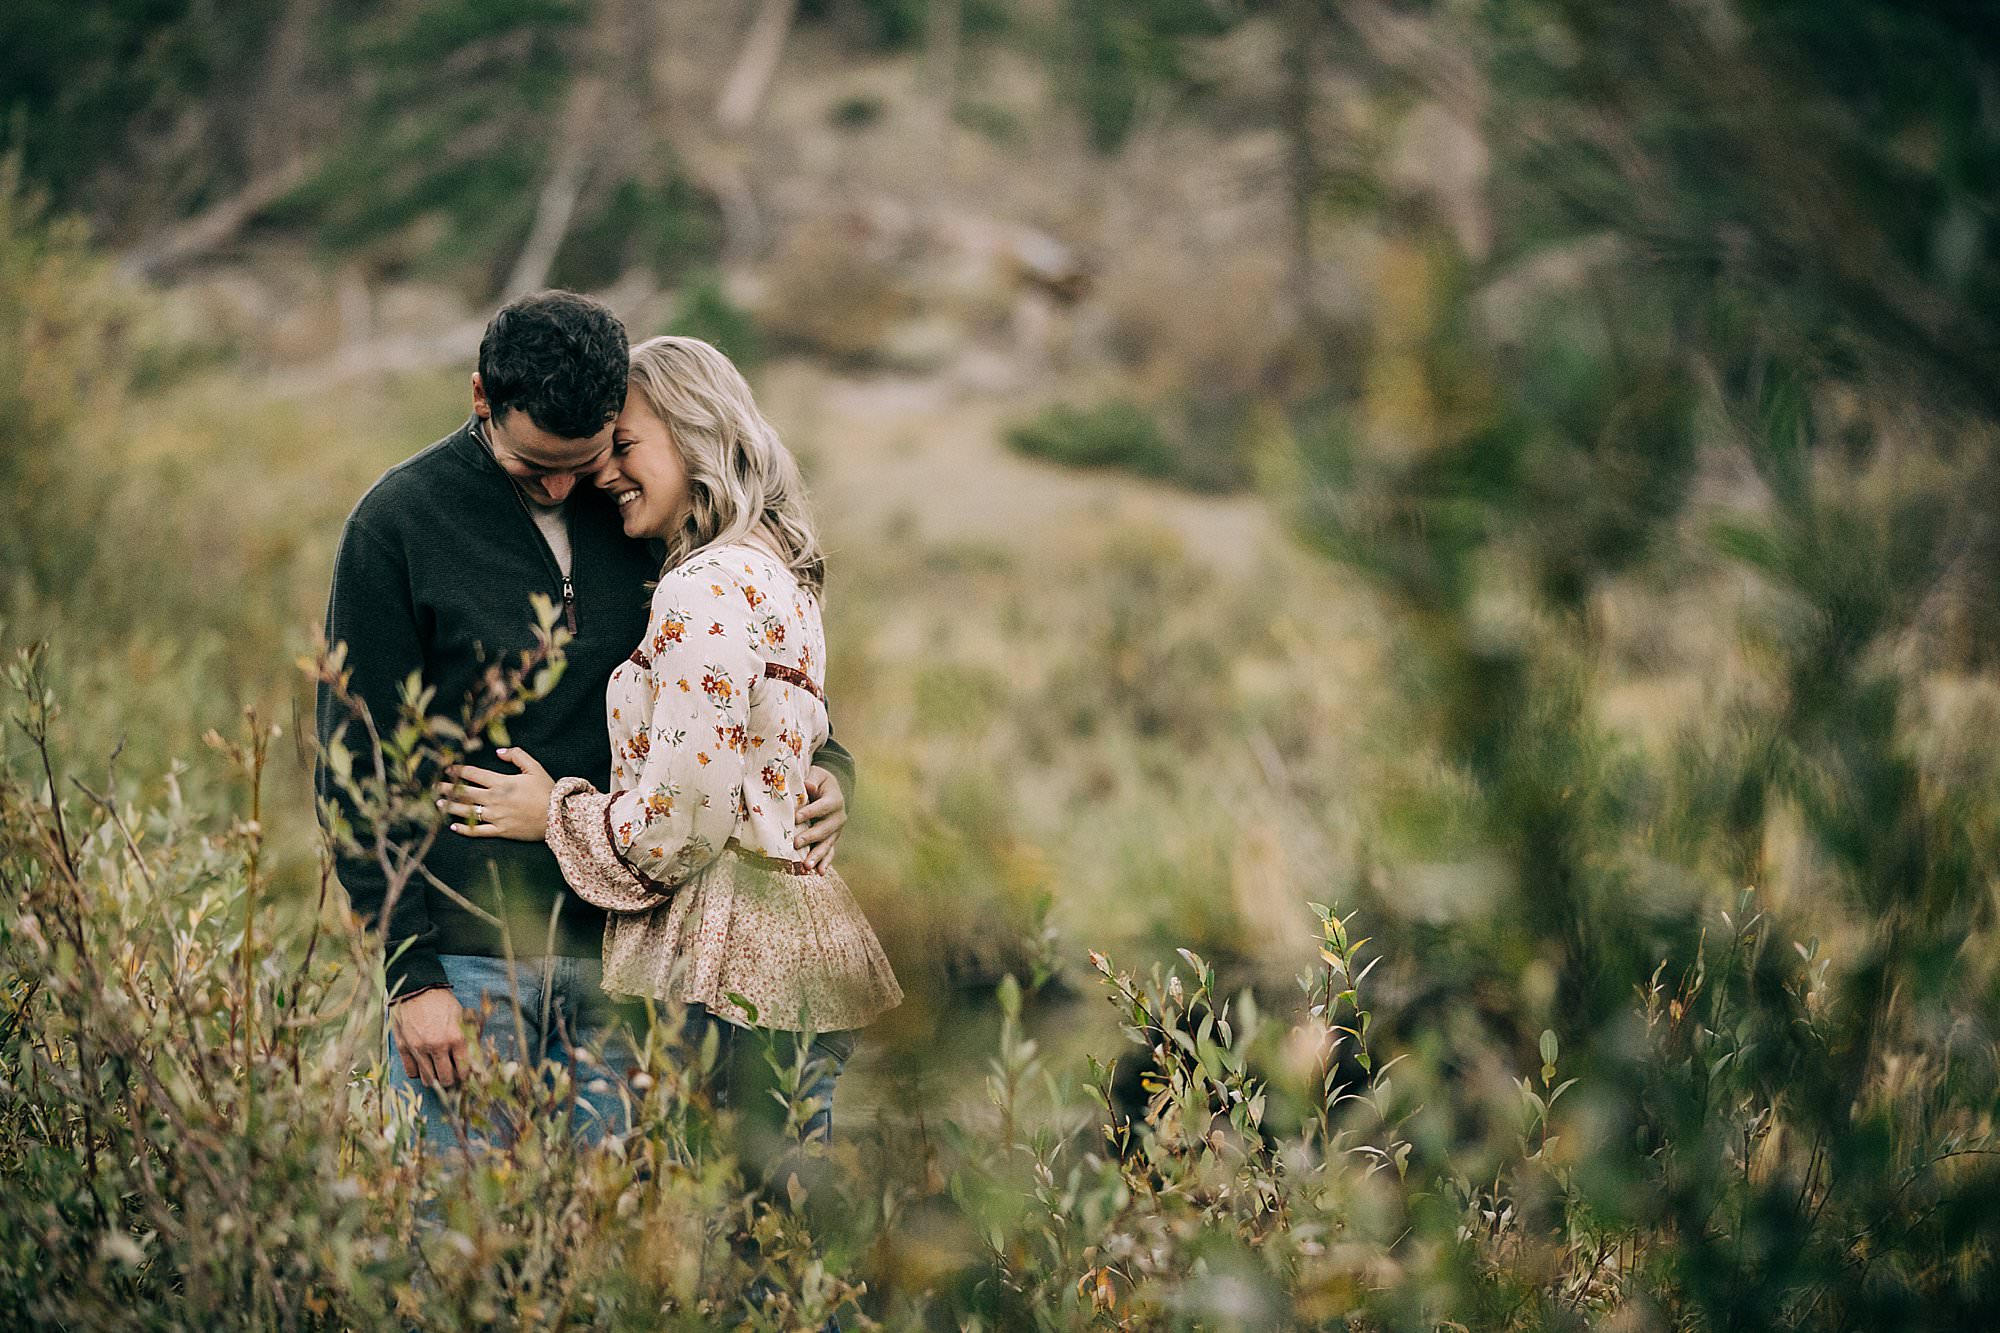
[[713, 721]]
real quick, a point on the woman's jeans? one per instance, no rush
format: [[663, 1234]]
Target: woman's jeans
[[746, 1076], [591, 1031]]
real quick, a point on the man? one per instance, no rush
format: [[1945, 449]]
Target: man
[[434, 574]]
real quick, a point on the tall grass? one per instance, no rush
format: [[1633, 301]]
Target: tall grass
[[197, 1136]]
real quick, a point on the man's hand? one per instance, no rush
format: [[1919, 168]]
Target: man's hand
[[822, 814], [430, 1037], [499, 805]]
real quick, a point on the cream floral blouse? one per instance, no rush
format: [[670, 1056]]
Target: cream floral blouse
[[714, 721]]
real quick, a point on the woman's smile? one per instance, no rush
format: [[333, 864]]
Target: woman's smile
[[644, 474]]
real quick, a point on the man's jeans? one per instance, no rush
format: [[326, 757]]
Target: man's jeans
[[592, 1030], [587, 1028]]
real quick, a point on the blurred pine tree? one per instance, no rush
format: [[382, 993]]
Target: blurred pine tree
[[1776, 373]]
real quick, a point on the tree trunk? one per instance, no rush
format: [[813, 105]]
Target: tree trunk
[[943, 24], [272, 137], [645, 30], [1301, 167], [215, 227], [576, 144], [743, 95]]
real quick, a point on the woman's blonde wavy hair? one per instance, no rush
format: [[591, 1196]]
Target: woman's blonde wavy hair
[[742, 480]]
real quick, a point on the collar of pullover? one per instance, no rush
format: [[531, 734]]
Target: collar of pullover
[[467, 445]]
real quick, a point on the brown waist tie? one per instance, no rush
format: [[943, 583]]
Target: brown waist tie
[[779, 671], [763, 862]]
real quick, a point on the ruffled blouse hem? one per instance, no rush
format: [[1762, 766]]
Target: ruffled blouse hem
[[795, 947]]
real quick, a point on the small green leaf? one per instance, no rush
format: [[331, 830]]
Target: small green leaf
[[1010, 996], [341, 760]]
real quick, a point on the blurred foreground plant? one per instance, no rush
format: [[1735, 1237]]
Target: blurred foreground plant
[[197, 1132], [195, 1135]]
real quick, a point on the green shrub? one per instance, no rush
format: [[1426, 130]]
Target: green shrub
[[898, 24], [83, 81], [706, 312], [855, 113], [1205, 451], [1114, 434], [196, 1134], [1119, 51], [669, 226]]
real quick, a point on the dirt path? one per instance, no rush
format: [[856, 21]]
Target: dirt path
[[922, 458]]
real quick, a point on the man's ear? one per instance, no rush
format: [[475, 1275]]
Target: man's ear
[[480, 407]]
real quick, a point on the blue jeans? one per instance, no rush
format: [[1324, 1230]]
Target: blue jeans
[[588, 1029], [743, 1062], [591, 1030]]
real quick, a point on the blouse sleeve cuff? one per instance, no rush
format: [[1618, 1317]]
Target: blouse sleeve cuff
[[579, 833]]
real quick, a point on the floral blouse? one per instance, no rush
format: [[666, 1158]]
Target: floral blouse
[[714, 721]]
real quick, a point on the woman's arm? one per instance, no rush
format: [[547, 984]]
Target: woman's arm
[[623, 849], [579, 833]]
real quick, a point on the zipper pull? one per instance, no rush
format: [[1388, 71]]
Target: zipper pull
[[569, 604]]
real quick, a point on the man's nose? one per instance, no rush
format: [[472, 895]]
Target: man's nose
[[556, 485]]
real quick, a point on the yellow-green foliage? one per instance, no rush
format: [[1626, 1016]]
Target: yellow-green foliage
[[1781, 1106]]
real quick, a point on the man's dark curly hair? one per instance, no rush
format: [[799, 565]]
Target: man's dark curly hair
[[561, 358]]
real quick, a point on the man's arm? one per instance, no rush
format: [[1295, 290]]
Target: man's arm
[[370, 610], [823, 814], [834, 758]]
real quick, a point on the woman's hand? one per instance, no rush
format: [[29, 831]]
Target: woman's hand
[[499, 805]]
